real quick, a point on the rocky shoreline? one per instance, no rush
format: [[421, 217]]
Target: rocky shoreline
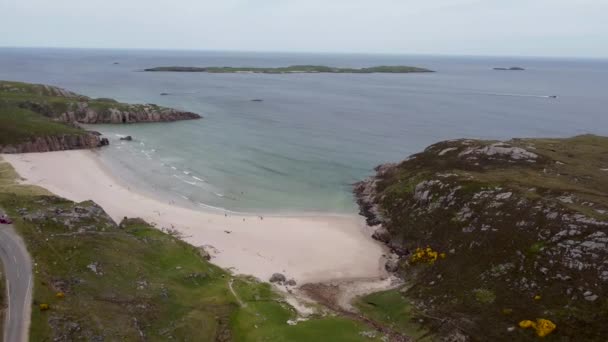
[[82, 109], [499, 233], [88, 140]]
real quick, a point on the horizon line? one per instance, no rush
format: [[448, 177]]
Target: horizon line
[[422, 54]]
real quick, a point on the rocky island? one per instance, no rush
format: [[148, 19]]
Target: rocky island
[[294, 69], [510, 69], [498, 240], [41, 118]]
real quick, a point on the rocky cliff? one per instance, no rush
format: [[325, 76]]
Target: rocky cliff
[[106, 111], [56, 143], [62, 105], [491, 234]]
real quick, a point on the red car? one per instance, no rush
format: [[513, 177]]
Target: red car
[[5, 220]]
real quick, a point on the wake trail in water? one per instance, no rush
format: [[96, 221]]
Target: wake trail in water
[[468, 93], [518, 95]]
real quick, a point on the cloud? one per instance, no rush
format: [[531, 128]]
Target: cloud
[[525, 27]]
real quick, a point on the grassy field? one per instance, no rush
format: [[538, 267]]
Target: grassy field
[[395, 311], [19, 125], [122, 282]]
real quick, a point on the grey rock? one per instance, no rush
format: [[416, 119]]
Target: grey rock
[[591, 298], [392, 265], [381, 234], [278, 278], [203, 253]]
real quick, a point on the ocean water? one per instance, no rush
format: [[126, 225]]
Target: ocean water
[[300, 150]]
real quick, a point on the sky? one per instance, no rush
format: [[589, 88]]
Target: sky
[[556, 28]]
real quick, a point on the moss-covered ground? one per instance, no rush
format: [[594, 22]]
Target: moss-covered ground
[[395, 311]]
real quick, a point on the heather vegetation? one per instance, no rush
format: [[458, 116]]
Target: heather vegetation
[[500, 240]]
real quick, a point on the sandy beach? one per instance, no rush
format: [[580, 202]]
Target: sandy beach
[[307, 249]]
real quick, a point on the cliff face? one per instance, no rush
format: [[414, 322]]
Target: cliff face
[[492, 233], [83, 113], [62, 105], [106, 111], [57, 143]]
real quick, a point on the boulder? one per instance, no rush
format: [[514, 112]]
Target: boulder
[[203, 253], [392, 265], [278, 278], [381, 234]]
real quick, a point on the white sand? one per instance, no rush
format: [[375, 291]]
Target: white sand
[[308, 249]]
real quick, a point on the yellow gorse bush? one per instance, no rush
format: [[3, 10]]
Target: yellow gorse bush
[[426, 255], [542, 326]]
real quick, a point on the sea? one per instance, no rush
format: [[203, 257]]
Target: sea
[[300, 149]]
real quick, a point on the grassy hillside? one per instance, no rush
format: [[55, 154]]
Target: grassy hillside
[[18, 125], [491, 234], [61, 105], [122, 282]]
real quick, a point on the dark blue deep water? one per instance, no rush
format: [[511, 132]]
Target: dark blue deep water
[[314, 134]]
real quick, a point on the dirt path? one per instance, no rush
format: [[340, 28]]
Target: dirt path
[[238, 299]]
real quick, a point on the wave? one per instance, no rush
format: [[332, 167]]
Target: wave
[[199, 179], [185, 181], [203, 205]]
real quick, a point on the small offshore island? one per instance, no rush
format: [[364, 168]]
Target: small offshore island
[[510, 68], [295, 69]]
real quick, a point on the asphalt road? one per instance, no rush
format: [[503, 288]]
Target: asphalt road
[[18, 273]]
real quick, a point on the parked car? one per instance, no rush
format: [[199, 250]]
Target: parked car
[[5, 220]]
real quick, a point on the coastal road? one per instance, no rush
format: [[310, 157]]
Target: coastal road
[[18, 274]]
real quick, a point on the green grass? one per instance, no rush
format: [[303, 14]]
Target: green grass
[[9, 182], [19, 125], [393, 309], [264, 315]]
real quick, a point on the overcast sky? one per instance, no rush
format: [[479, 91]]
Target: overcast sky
[[469, 27]]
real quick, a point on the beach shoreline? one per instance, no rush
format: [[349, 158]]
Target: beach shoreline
[[308, 249]]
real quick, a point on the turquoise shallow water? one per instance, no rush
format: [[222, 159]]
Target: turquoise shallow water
[[313, 135]]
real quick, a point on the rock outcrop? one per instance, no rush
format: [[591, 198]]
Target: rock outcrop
[[104, 111], [66, 106], [492, 233], [57, 143], [277, 278]]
